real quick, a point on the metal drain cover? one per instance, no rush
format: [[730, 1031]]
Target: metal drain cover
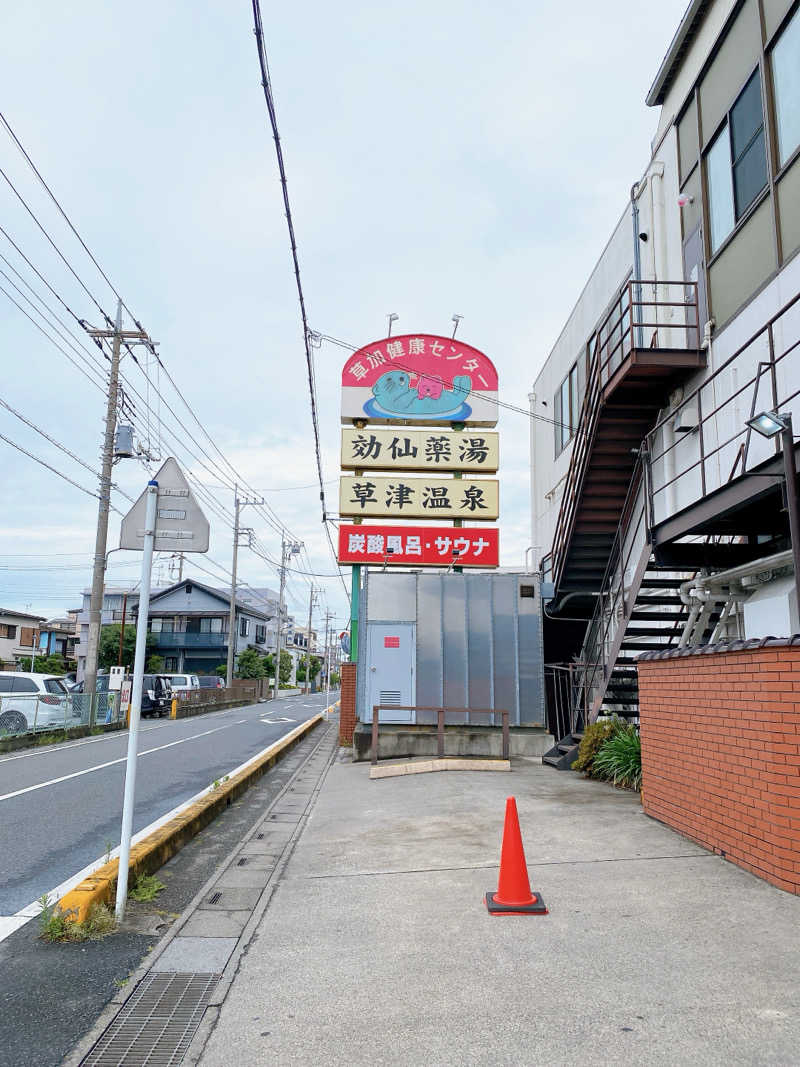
[[156, 1025]]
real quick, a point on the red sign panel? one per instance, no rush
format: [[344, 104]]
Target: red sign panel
[[391, 642], [419, 546]]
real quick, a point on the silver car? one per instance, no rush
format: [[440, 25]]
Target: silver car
[[32, 702]]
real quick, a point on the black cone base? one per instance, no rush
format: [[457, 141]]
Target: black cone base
[[538, 907]]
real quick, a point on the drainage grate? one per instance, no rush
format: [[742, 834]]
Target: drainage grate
[[242, 862], [215, 898], [156, 1025], [259, 837]]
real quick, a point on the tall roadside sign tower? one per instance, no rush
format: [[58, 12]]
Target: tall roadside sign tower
[[417, 412]]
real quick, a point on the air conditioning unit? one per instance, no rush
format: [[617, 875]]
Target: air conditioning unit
[[686, 417]]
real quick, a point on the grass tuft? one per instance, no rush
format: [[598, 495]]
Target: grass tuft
[[58, 925], [146, 888]]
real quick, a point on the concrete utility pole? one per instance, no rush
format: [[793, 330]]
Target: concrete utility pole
[[238, 504], [327, 662], [288, 549], [311, 598], [101, 538]]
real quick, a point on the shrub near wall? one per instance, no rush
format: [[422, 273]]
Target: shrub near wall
[[720, 732]]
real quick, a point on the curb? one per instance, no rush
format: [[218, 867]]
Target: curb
[[154, 851]]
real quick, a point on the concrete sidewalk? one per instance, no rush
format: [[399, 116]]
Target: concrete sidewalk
[[376, 947]]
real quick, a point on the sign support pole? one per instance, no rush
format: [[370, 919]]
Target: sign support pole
[[136, 701], [355, 589]]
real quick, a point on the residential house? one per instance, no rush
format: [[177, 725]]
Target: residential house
[[189, 624], [656, 509], [19, 633], [117, 600], [58, 637]]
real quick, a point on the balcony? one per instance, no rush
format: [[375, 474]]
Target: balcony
[[190, 640]]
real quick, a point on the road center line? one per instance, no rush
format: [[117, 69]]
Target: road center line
[[110, 763]]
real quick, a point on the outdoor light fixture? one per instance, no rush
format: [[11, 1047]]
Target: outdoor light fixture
[[767, 423], [393, 317]]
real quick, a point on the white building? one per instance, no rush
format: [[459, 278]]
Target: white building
[[647, 485], [19, 633]]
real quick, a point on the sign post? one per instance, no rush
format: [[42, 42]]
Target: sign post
[[136, 701], [166, 517]]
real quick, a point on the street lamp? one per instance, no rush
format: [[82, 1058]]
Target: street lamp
[[769, 424]]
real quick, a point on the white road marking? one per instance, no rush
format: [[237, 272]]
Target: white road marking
[[10, 923], [271, 722], [110, 763]]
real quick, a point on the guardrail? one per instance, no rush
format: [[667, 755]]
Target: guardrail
[[440, 723]]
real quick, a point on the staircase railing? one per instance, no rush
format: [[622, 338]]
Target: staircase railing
[[668, 319], [627, 563]]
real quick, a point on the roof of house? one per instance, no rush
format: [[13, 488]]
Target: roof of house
[[21, 615], [241, 603], [684, 35]]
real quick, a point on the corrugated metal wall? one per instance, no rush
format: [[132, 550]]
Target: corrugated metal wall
[[479, 640]]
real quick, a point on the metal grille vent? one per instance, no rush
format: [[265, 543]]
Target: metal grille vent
[[215, 898], [157, 1023], [259, 837], [390, 696], [527, 591], [242, 862]]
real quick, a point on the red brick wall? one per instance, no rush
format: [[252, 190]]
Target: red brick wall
[[347, 713], [721, 754]]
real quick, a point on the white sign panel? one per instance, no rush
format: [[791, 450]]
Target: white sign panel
[[180, 524], [115, 678]]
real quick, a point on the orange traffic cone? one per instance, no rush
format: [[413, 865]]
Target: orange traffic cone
[[514, 896]]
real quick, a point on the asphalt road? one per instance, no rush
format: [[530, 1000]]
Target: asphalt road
[[61, 806]]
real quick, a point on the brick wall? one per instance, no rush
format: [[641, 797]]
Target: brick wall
[[721, 754], [347, 713]]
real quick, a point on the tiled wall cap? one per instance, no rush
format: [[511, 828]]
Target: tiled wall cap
[[739, 645]]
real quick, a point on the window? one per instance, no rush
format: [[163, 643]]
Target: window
[[736, 163], [244, 627], [8, 631], [170, 663], [261, 635], [211, 626], [24, 685], [786, 81], [567, 407], [162, 626]]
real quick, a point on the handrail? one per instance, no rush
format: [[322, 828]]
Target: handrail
[[628, 304], [708, 449], [440, 714]]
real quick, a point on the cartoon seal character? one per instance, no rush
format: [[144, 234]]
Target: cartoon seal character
[[394, 394]]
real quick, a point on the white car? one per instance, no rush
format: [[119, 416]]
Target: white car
[[32, 702], [183, 683]]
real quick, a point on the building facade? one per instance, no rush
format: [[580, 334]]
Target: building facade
[[189, 624], [19, 634], [657, 511]]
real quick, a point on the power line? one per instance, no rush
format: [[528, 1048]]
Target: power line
[[267, 87], [58, 444], [55, 470]]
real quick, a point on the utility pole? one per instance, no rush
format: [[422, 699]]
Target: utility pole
[[238, 504], [122, 628], [311, 599], [101, 537], [288, 549]]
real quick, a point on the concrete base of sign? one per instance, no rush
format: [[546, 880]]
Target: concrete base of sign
[[426, 766], [395, 742]]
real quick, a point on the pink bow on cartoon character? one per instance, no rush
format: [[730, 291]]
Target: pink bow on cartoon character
[[429, 387]]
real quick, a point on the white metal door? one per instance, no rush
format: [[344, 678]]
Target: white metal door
[[390, 670]]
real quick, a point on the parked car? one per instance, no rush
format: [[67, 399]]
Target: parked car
[[31, 701], [156, 692], [183, 683], [211, 681]]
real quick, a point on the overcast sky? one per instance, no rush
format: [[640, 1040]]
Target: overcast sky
[[442, 158]]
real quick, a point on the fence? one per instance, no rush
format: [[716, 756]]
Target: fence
[[253, 689], [22, 713]]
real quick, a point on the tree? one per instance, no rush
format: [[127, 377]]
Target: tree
[[109, 646], [155, 664], [269, 665], [316, 667], [249, 664], [286, 668], [222, 670]]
